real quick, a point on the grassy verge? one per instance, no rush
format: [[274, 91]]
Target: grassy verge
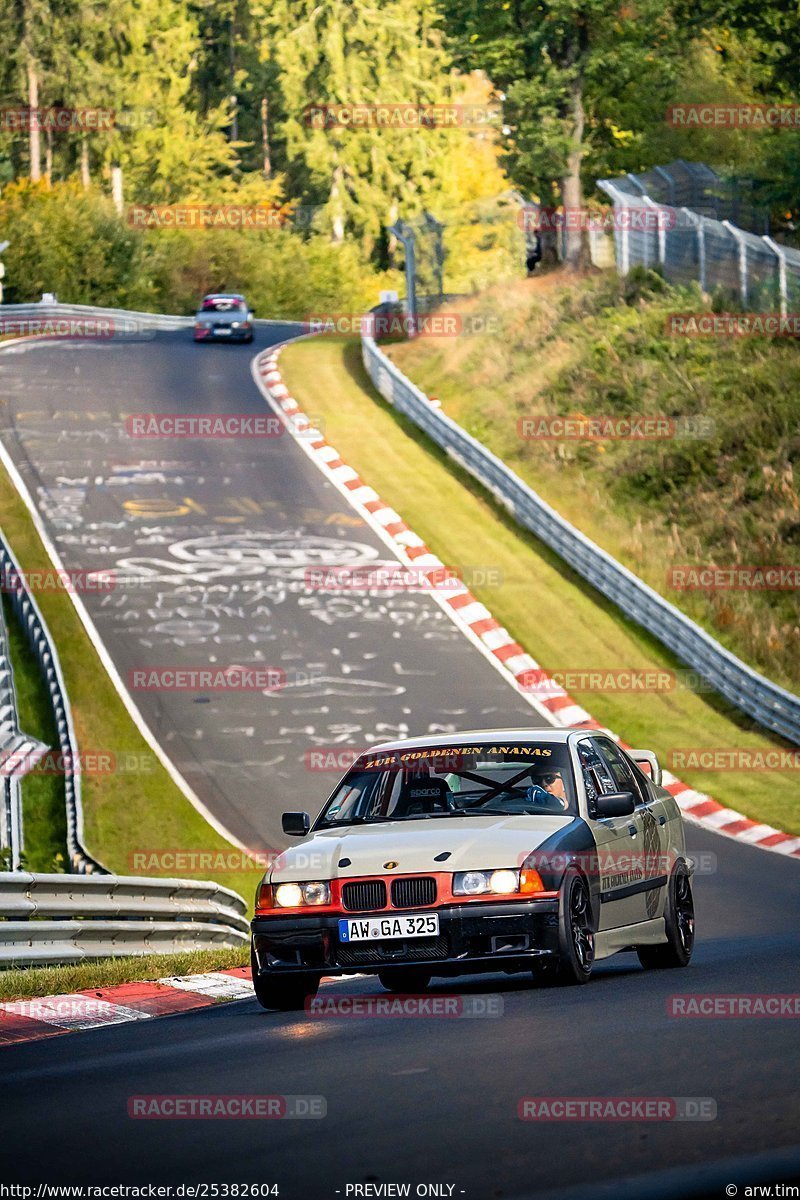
[[721, 487], [553, 614], [125, 811], [26, 982], [43, 812]]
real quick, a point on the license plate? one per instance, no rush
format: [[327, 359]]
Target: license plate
[[368, 929], [222, 332]]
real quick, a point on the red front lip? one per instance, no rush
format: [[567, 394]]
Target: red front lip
[[444, 896]]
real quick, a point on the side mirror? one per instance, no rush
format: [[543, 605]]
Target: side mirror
[[647, 762], [296, 824], [615, 804]]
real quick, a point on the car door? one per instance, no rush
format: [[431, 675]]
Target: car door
[[659, 854], [648, 873], [619, 843]]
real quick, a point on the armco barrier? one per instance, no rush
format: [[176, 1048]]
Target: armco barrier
[[126, 321], [71, 918], [16, 748], [33, 625], [771, 706]]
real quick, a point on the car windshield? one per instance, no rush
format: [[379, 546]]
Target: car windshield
[[518, 779], [223, 304]]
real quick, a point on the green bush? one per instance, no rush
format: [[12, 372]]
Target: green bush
[[68, 241], [71, 241]]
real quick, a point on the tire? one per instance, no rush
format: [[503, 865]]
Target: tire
[[286, 993], [679, 925], [575, 931], [405, 980], [545, 972]]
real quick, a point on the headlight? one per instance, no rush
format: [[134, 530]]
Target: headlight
[[481, 883], [297, 895], [316, 893], [234, 324]]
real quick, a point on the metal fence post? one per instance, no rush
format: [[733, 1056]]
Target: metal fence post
[[436, 228], [670, 184], [405, 234], [16, 839], [625, 248], [738, 235], [782, 280], [698, 223], [660, 230]]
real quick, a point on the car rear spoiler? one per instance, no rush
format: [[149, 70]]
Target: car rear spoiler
[[647, 760]]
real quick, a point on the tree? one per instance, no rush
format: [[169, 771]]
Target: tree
[[139, 58], [570, 70], [340, 52], [34, 34], [758, 49]]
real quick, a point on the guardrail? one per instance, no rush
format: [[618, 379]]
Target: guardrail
[[10, 806], [18, 754], [124, 320], [38, 635], [771, 706], [47, 919]]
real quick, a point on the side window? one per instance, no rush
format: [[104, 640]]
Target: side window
[[642, 779], [597, 777], [624, 778]]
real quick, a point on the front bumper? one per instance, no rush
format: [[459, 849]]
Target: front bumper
[[213, 334], [472, 937]]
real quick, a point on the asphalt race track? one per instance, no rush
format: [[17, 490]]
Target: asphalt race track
[[418, 1101], [434, 1100], [209, 542]]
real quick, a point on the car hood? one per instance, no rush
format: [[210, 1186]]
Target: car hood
[[472, 843]]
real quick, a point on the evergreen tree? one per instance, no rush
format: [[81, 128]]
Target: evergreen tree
[[341, 52], [579, 77]]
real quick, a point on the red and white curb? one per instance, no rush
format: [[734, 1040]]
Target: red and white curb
[[475, 620], [48, 1016]]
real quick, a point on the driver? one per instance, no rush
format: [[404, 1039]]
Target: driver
[[552, 783]]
